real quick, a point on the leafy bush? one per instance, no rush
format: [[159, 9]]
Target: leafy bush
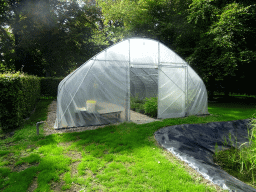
[[151, 106], [19, 94], [137, 104], [49, 85]]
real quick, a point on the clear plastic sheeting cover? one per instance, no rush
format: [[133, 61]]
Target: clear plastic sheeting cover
[[99, 91], [195, 144]]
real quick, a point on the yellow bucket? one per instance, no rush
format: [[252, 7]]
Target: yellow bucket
[[90, 106]]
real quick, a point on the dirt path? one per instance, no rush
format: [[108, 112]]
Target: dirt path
[[137, 118]]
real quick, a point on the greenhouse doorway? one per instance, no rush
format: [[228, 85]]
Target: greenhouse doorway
[[172, 91], [143, 84], [167, 83]]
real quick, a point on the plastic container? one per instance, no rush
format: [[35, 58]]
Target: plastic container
[[90, 106]]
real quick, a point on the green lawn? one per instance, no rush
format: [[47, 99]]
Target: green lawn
[[122, 157]]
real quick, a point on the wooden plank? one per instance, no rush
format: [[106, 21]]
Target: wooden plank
[[105, 108]]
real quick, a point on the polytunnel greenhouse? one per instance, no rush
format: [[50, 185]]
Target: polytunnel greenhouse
[[99, 91]]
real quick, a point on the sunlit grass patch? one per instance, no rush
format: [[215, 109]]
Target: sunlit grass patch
[[122, 157], [32, 158]]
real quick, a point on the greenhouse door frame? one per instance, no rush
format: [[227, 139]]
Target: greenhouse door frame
[[161, 72]]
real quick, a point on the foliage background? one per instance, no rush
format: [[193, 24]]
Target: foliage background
[[54, 37]]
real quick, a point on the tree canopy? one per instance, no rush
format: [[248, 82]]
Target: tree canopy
[[53, 37], [225, 50], [47, 37]]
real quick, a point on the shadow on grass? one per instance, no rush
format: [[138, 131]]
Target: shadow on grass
[[234, 100]]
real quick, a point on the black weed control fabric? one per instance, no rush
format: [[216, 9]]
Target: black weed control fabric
[[195, 144]]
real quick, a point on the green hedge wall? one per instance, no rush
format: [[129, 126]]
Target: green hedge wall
[[49, 85], [18, 96]]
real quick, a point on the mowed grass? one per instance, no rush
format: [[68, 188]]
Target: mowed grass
[[122, 157]]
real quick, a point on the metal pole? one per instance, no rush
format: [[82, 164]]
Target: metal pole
[[186, 89], [127, 110], [37, 126], [158, 84]]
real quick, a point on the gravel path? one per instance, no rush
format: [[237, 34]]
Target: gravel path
[[137, 118]]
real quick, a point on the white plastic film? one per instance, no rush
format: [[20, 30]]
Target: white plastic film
[[171, 92], [143, 52], [169, 57], [99, 91]]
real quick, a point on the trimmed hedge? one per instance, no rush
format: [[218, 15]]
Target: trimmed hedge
[[18, 96], [49, 85]]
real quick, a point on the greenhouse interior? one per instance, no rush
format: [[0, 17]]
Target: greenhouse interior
[[99, 91]]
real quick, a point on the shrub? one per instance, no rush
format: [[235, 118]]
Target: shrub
[[49, 85], [19, 94], [137, 104], [150, 106]]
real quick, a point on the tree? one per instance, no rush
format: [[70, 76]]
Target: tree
[[6, 40], [50, 37], [6, 50], [26, 18], [223, 50], [161, 19]]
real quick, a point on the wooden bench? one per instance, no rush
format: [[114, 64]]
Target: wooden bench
[[105, 110], [114, 114]]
